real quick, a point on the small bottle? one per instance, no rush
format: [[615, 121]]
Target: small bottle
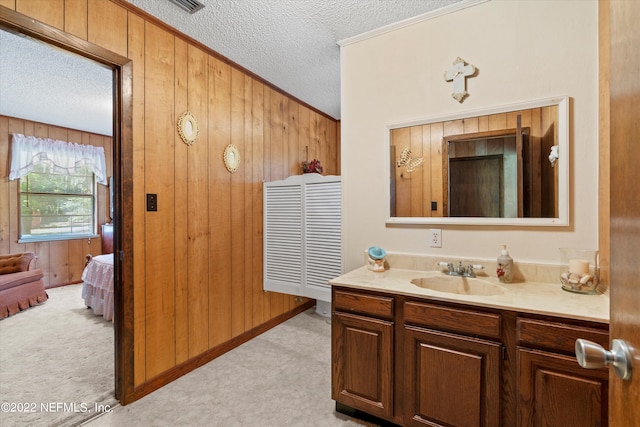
[[505, 266]]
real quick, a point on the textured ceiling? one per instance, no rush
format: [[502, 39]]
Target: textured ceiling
[[45, 84], [289, 43]]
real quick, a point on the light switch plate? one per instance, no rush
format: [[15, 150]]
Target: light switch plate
[[152, 202]]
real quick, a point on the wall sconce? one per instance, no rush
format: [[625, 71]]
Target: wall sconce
[[408, 161]]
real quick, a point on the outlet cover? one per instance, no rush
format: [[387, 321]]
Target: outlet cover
[[435, 238]]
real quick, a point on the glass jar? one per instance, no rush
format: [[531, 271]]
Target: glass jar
[[579, 270]]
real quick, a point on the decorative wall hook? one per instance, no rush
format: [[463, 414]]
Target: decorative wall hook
[[553, 155]]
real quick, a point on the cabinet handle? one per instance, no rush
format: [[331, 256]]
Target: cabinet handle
[[593, 356]]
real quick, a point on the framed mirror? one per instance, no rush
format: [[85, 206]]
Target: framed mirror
[[506, 165]]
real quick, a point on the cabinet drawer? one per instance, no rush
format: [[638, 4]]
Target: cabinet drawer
[[556, 335], [354, 302], [453, 319]]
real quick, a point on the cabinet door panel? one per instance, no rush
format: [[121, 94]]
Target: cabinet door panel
[[451, 380], [362, 354], [555, 391]]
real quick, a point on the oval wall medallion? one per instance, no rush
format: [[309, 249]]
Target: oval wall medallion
[[188, 128], [231, 158]]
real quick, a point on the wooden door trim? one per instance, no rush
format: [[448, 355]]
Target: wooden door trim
[[123, 174]]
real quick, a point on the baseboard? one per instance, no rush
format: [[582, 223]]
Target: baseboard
[[59, 285], [204, 358]]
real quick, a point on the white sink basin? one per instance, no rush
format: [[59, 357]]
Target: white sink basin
[[459, 285]]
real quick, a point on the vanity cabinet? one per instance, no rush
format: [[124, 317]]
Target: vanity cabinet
[[418, 361], [553, 390], [363, 352], [451, 379]]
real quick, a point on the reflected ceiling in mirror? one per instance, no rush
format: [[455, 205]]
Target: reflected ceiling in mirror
[[486, 167]]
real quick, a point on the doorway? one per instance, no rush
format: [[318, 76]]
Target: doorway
[[122, 173], [52, 95], [478, 184]]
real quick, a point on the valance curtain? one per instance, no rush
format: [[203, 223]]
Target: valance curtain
[[66, 157]]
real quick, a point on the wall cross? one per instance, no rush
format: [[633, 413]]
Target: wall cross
[[458, 74]]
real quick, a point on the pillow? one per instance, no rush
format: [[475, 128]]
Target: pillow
[[15, 263]]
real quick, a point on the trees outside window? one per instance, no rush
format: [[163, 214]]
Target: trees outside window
[[57, 205]]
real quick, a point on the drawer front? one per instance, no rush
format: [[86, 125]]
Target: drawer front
[[354, 302], [453, 319], [555, 335]]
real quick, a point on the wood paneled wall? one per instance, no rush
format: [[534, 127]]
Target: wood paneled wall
[[198, 259], [414, 192], [61, 261]]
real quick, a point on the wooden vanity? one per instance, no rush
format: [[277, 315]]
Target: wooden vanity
[[421, 359]]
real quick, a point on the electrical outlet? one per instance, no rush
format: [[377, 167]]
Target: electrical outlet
[[435, 238]]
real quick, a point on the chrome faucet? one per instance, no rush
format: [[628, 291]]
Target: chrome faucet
[[449, 266], [461, 270], [471, 267]]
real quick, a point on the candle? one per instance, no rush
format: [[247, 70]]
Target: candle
[[578, 266]]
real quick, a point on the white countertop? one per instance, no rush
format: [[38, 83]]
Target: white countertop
[[526, 297]]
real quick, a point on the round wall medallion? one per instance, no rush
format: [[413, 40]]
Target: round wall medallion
[[231, 158], [188, 128]]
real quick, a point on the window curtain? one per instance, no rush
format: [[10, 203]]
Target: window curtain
[[66, 157]]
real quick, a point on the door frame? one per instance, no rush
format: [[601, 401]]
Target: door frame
[[123, 179]]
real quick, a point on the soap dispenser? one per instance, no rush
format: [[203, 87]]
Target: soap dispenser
[[505, 266]]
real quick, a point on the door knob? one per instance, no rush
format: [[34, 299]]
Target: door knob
[[593, 356]]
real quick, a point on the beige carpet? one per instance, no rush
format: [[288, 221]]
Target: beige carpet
[[59, 352], [56, 362], [280, 378]]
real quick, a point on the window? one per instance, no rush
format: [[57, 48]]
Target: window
[[56, 205], [57, 187]]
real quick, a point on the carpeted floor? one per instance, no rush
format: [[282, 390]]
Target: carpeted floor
[[54, 358], [59, 352], [281, 378]]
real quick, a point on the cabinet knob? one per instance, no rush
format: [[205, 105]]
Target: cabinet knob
[[593, 356]]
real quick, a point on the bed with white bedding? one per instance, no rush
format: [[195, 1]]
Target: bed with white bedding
[[97, 288], [97, 278]]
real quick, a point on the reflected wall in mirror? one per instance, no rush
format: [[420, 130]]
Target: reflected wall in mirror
[[489, 167]]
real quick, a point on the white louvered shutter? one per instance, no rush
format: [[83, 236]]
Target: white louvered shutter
[[302, 235], [283, 256], [323, 237]]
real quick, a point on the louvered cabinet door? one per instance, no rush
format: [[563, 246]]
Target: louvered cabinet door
[[303, 235], [283, 239], [323, 237]]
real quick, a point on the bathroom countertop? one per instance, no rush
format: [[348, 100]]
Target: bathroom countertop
[[525, 297]]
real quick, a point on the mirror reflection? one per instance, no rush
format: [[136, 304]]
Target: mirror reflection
[[483, 167]]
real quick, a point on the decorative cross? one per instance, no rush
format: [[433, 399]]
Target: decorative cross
[[458, 74]]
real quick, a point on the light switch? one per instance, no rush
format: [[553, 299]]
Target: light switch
[[152, 202]]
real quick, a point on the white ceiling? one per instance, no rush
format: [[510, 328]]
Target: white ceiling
[[289, 43], [48, 85]]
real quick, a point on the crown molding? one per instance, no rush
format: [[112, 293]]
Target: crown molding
[[410, 21]]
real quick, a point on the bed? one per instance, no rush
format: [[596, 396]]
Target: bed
[[97, 277]]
